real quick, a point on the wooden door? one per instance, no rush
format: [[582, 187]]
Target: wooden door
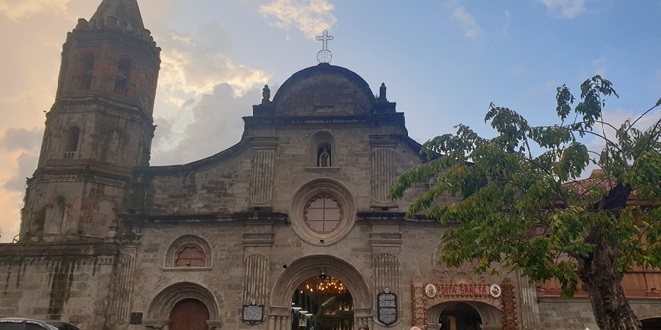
[[189, 314]]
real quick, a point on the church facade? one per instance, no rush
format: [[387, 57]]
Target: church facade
[[291, 228]]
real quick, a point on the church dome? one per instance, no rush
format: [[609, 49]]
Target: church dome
[[324, 90]]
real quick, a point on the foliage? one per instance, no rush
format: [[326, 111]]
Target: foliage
[[521, 208], [37, 228]]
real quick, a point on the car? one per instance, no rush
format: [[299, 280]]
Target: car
[[30, 324]]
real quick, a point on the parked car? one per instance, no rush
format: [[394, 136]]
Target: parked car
[[29, 324]]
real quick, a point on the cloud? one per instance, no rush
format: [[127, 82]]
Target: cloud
[[467, 22], [545, 87], [600, 65], [22, 139], [16, 10], [567, 9], [217, 117], [309, 16], [27, 162], [656, 84], [194, 65], [505, 32], [518, 70]]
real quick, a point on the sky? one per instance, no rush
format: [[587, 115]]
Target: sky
[[443, 61]]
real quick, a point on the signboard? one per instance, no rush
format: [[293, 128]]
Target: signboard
[[432, 290], [136, 318], [253, 314], [387, 307]]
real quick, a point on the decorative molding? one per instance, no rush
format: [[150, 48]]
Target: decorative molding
[[387, 279], [383, 173], [109, 181], [255, 277], [262, 176]]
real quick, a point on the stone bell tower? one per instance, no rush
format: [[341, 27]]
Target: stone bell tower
[[98, 129]]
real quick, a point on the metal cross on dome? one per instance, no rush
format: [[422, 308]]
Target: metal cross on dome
[[324, 55]]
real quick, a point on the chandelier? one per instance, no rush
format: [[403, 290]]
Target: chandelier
[[326, 285]]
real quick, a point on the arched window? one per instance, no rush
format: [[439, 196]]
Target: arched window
[[188, 251], [72, 142], [122, 78], [189, 255], [88, 66]]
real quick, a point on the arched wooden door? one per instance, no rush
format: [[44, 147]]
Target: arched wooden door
[[189, 314]]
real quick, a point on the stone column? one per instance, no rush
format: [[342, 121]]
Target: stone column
[[417, 292], [509, 305], [271, 322]]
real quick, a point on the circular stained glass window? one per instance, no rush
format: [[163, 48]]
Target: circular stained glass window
[[323, 214]]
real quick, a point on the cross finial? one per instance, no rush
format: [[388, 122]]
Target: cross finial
[[325, 38], [324, 55]]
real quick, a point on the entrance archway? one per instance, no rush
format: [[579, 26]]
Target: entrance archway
[[177, 300], [322, 303], [652, 324], [300, 271], [189, 314], [460, 315]]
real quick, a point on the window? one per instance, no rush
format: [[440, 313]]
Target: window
[[88, 66], [323, 214], [188, 252], [122, 78], [189, 255], [72, 142]]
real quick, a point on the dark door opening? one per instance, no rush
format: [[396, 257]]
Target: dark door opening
[[652, 324], [322, 303], [459, 316]]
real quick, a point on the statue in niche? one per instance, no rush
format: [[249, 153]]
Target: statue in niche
[[324, 159]]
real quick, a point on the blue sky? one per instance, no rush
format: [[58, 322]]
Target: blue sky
[[442, 61]]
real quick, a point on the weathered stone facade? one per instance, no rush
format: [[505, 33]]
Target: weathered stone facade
[[109, 242]]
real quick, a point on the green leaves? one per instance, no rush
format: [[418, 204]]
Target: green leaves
[[572, 161], [525, 211], [592, 92]]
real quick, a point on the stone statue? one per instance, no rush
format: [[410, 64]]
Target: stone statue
[[266, 94], [382, 93], [324, 158]]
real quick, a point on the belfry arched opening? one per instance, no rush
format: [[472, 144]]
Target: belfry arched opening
[[322, 303]]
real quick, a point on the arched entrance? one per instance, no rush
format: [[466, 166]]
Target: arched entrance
[[459, 315], [464, 315], [652, 324], [189, 314], [322, 303], [181, 303], [308, 271]]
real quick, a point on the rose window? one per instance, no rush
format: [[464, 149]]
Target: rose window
[[323, 214]]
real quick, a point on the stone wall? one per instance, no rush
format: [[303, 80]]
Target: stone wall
[[560, 314], [69, 282]]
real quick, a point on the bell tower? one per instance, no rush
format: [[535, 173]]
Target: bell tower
[[99, 127]]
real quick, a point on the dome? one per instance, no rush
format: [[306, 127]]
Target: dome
[[324, 90]]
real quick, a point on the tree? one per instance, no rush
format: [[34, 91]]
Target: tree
[[521, 209]]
